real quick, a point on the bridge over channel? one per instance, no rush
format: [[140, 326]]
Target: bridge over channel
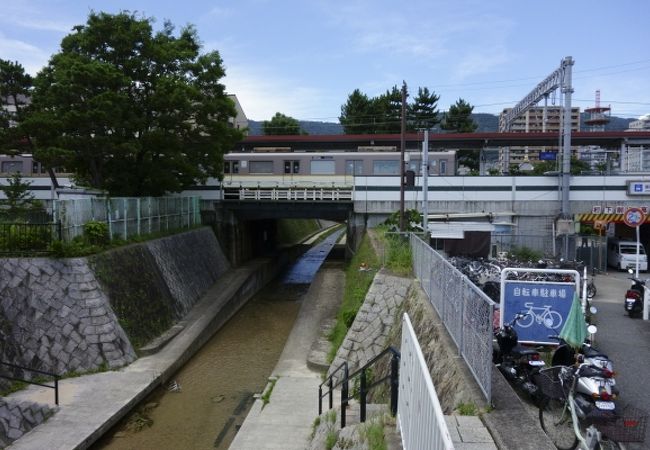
[[507, 205]]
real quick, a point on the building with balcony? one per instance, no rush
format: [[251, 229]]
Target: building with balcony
[[536, 120]]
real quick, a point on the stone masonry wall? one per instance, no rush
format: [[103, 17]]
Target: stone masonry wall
[[55, 317], [189, 263], [17, 418], [369, 334]]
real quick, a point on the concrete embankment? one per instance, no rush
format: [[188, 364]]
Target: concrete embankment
[[137, 292]]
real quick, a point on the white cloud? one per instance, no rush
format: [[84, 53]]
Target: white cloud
[[31, 57], [261, 95]]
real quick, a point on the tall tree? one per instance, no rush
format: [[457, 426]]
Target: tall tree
[[423, 112], [459, 120], [356, 114], [387, 109], [281, 125], [383, 114], [131, 111], [15, 87]]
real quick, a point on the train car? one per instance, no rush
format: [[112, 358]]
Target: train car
[[331, 167]]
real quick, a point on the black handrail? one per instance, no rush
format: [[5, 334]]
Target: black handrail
[[364, 389], [56, 379]]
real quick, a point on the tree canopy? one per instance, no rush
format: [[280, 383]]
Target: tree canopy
[[382, 114], [15, 89], [130, 110], [281, 125], [458, 119]]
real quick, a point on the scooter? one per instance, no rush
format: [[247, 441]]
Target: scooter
[[517, 363], [634, 297], [591, 382]]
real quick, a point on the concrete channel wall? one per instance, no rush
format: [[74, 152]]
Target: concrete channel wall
[[64, 315]]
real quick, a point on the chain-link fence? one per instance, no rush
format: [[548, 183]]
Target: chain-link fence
[[127, 217], [464, 309]]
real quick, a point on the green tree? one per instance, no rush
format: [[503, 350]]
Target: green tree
[[577, 167], [356, 114], [459, 120], [131, 111], [423, 112], [19, 200], [15, 88], [281, 125], [387, 110]]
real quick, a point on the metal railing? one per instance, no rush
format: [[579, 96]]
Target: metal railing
[[36, 383], [464, 309], [420, 418], [288, 194], [127, 217], [32, 238], [364, 387]]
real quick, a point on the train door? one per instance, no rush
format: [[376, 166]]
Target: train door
[[353, 167], [291, 168]]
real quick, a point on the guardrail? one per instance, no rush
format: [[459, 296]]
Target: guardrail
[[464, 309], [419, 414], [364, 387], [31, 238], [40, 372], [289, 194]]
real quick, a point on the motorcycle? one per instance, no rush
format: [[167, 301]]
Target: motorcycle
[[634, 296], [517, 363], [591, 382]]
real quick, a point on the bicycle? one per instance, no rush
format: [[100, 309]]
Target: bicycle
[[551, 319], [571, 418]]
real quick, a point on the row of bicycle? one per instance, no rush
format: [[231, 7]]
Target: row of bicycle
[[576, 396]]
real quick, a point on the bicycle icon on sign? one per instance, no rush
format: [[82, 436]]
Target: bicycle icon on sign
[[541, 315]]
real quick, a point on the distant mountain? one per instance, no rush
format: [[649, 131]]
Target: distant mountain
[[308, 126], [486, 123]]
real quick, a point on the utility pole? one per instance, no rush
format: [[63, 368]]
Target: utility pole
[[401, 158], [425, 185]]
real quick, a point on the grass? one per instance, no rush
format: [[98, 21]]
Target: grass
[[291, 231], [266, 397], [373, 434], [398, 254], [467, 409], [357, 283]]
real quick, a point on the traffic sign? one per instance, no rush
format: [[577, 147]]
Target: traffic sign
[[634, 217]]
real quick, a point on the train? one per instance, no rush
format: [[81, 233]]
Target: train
[[284, 166]]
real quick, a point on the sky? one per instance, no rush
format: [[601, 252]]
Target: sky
[[304, 58]]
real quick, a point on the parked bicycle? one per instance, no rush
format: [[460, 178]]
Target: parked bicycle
[[571, 418]]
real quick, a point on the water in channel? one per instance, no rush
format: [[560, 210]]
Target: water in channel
[[218, 383]]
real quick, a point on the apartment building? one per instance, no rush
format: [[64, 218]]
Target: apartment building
[[536, 120]]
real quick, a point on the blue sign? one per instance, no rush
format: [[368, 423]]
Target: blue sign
[[547, 156], [546, 306]]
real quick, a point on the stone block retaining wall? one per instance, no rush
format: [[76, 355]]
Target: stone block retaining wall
[[369, 334], [56, 316], [17, 418]]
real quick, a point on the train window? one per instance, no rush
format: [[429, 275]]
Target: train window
[[11, 166], [260, 167], [292, 167], [385, 167], [414, 166], [442, 167], [323, 167], [231, 167], [354, 167]]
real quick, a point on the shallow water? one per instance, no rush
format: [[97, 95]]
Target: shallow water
[[218, 383]]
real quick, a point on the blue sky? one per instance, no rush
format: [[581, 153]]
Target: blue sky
[[303, 58]]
